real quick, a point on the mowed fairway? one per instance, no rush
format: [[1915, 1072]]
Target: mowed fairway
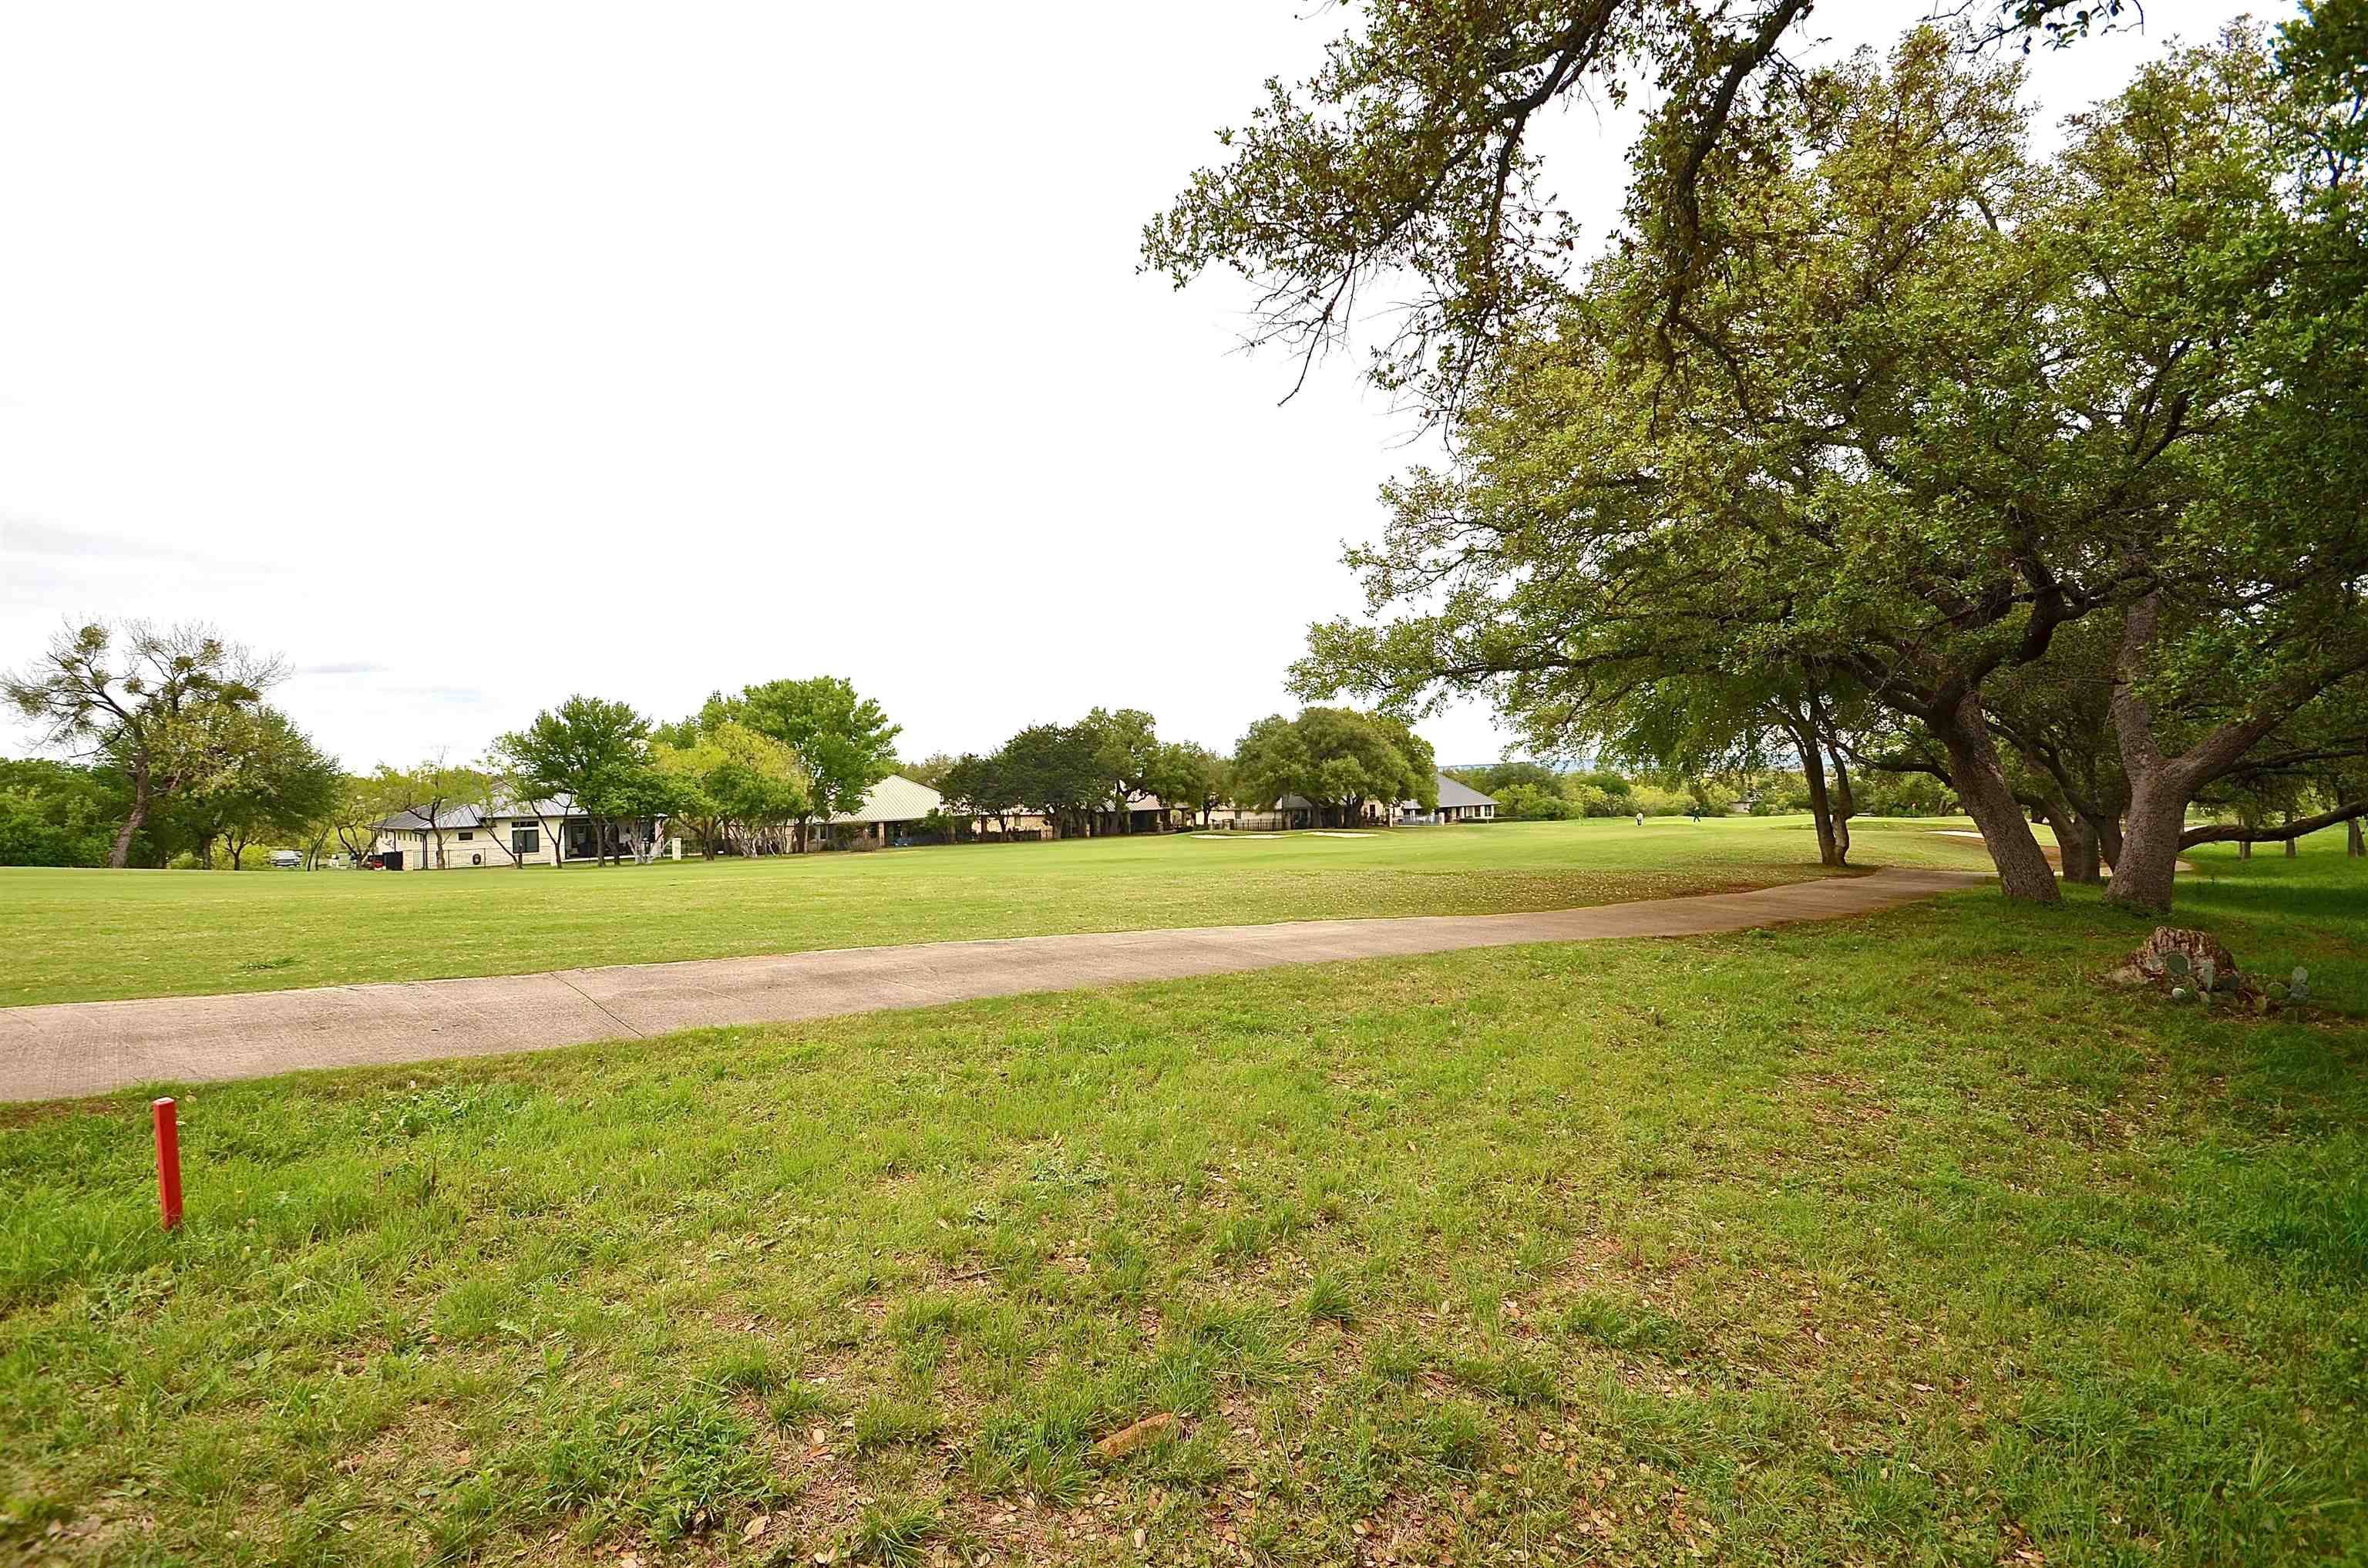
[[79, 935], [1893, 1239]]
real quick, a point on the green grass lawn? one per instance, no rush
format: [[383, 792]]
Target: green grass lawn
[[83, 936], [1894, 1240]]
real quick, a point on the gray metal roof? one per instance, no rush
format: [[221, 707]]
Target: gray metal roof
[[450, 817], [1451, 793]]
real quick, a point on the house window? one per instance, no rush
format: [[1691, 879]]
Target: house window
[[466, 835], [526, 841]]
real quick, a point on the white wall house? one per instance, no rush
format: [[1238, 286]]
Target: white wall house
[[553, 833], [546, 833]]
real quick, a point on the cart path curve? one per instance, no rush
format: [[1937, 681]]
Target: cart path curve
[[87, 1048]]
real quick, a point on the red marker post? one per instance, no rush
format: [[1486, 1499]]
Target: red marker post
[[168, 1161]]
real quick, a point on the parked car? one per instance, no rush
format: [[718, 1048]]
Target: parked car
[[286, 860]]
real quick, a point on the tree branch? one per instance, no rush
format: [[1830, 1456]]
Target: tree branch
[[2237, 833]]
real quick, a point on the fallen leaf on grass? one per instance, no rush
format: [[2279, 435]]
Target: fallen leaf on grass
[[1126, 1439]]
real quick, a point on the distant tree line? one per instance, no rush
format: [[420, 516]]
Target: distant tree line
[[1096, 776], [169, 754], [750, 773], [1083, 779], [1531, 791], [173, 757]]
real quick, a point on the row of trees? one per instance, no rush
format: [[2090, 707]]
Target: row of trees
[[1530, 791], [1081, 779], [181, 754], [176, 754], [1086, 777], [748, 774], [1876, 438]]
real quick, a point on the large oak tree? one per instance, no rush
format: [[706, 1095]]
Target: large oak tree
[[843, 741], [1937, 402]]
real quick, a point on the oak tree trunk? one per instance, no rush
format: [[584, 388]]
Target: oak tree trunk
[[2149, 862], [1845, 806], [2082, 861], [2023, 872], [2108, 832], [1832, 848], [2076, 845]]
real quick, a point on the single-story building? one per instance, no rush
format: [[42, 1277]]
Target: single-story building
[[891, 809], [539, 833], [1457, 802], [1292, 811], [1145, 813], [552, 833]]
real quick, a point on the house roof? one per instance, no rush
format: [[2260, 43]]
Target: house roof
[[450, 817], [1451, 793], [409, 821], [893, 798]]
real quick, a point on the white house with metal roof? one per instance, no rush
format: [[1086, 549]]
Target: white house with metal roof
[[533, 833], [553, 833]]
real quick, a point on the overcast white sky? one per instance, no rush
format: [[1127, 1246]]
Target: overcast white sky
[[470, 355]]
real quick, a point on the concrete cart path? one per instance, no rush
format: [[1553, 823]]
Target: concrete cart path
[[88, 1048]]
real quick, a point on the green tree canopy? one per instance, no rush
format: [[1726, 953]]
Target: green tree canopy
[[1945, 401], [278, 783], [169, 705], [1126, 750], [1055, 769], [591, 752], [981, 786], [59, 813], [1193, 777], [1407, 164], [732, 787], [1337, 758], [843, 741]]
